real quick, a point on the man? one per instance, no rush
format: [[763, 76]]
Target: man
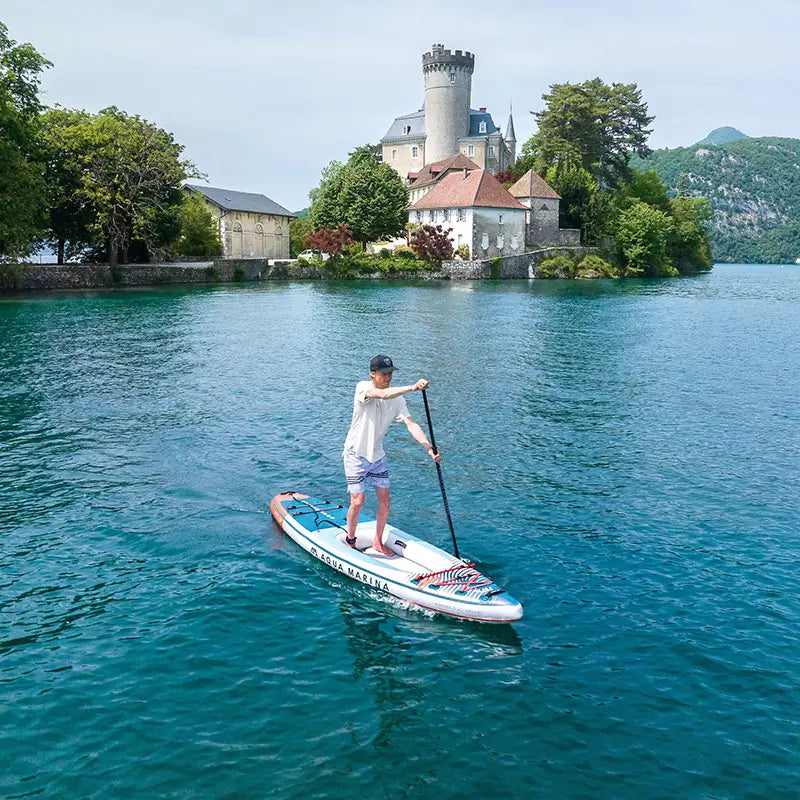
[[375, 406]]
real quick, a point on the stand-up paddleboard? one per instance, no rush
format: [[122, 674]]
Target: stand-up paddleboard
[[418, 573]]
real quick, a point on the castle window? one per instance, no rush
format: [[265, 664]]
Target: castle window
[[446, 215], [501, 242], [470, 149], [431, 216], [414, 152], [482, 127], [491, 151], [452, 77], [394, 155], [461, 214], [419, 216], [500, 219]]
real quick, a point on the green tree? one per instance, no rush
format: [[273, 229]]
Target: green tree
[[69, 230], [299, 230], [199, 234], [130, 176], [687, 244], [591, 125], [646, 187], [642, 233], [21, 183], [369, 197]]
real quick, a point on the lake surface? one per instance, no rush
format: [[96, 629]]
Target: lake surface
[[624, 457]]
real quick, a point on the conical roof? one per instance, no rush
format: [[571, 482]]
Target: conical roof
[[531, 185]]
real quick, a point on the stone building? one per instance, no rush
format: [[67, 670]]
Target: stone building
[[446, 125], [250, 225], [481, 213], [541, 218]]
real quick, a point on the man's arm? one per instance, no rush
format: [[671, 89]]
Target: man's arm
[[395, 391], [419, 435]]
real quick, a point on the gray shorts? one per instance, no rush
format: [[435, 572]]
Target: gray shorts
[[360, 472]]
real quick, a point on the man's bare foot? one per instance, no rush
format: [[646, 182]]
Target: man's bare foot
[[382, 549]]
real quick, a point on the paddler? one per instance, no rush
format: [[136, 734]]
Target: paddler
[[375, 406]]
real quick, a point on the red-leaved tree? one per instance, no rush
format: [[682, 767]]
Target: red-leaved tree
[[330, 240], [431, 243]]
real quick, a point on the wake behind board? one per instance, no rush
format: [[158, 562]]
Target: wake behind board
[[419, 573]]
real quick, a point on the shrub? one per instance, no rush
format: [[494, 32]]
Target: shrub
[[462, 251], [329, 240], [431, 243], [593, 266], [404, 251], [556, 267], [385, 252]]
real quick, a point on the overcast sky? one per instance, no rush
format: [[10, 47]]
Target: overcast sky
[[264, 94]]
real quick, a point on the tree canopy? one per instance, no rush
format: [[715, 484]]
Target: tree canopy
[[367, 196], [128, 173], [22, 186], [593, 126]]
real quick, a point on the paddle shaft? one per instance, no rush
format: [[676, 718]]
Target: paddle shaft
[[439, 472]]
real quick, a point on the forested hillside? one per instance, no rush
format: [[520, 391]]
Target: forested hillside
[[753, 186]]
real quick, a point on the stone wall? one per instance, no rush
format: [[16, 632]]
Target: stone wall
[[520, 266], [45, 277]]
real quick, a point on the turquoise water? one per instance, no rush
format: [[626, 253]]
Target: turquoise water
[[623, 457]]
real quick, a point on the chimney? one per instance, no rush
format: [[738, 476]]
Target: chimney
[[466, 173]]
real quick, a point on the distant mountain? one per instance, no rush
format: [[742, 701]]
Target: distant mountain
[[302, 213], [753, 187], [723, 135]]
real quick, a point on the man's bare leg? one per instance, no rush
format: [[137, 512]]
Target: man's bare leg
[[356, 504], [380, 522]]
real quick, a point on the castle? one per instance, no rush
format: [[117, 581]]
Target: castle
[[446, 125]]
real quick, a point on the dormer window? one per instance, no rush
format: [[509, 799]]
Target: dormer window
[[406, 130], [482, 127]]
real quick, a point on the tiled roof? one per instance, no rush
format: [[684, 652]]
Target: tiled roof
[[465, 189], [240, 201], [416, 124], [531, 185], [433, 172]]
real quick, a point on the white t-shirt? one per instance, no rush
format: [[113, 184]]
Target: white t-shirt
[[371, 419]]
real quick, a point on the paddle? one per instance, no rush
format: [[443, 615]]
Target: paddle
[[439, 472]]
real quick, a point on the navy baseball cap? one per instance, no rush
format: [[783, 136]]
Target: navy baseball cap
[[381, 364]]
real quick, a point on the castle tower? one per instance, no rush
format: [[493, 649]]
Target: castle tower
[[448, 87], [511, 136]]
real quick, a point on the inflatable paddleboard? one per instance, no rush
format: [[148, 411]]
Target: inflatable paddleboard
[[418, 573]]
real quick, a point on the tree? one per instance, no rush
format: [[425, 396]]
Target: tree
[[369, 197], [69, 230], [687, 245], [642, 233], [299, 230], [199, 234], [130, 176], [430, 243], [591, 125], [21, 183], [330, 241]]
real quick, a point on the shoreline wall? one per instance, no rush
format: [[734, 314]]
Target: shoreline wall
[[50, 277]]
